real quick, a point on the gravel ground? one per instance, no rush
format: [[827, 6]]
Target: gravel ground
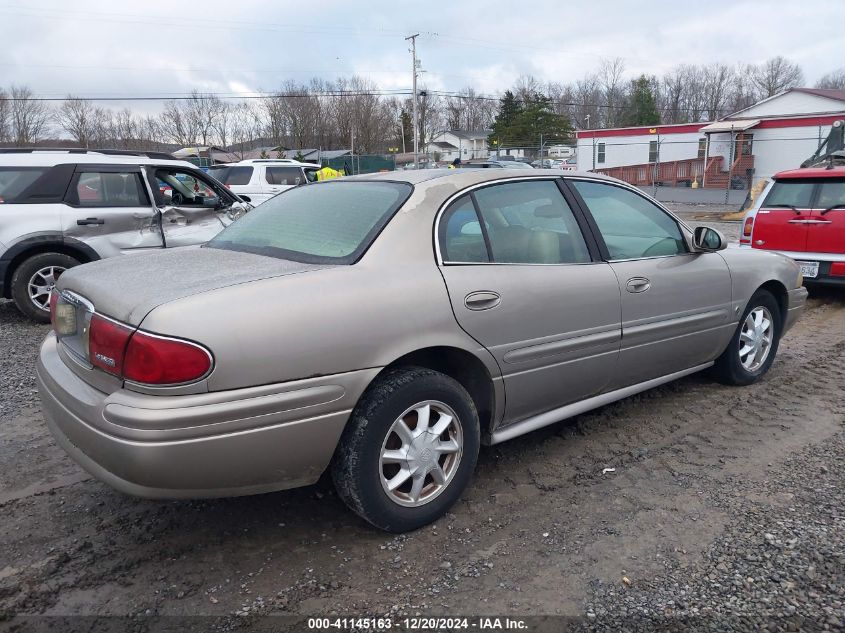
[[725, 512]]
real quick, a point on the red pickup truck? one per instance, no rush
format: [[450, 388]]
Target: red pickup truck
[[801, 214]]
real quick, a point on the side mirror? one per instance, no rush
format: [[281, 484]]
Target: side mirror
[[245, 198], [708, 240]]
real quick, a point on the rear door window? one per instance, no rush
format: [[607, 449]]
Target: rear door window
[[234, 175], [15, 180], [530, 223], [108, 189], [285, 176]]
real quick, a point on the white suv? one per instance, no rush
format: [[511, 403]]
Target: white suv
[[262, 178], [60, 208]]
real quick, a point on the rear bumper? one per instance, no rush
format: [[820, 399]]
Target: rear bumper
[[238, 442]]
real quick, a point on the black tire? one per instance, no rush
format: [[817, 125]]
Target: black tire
[[357, 468], [728, 368], [24, 272]]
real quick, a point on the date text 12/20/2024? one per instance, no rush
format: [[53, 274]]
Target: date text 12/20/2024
[[417, 624]]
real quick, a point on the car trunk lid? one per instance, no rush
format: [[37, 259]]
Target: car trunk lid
[[126, 288]]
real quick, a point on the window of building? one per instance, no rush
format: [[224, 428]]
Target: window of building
[[702, 147], [600, 153], [652, 151]]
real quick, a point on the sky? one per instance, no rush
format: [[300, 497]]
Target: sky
[[98, 48]]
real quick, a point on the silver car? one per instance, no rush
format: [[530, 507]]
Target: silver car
[[385, 326], [63, 207]]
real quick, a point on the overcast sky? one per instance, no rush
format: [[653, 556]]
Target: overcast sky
[[102, 47]]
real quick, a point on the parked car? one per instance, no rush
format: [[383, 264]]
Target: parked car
[[801, 214], [495, 164], [262, 178], [60, 208], [374, 326]]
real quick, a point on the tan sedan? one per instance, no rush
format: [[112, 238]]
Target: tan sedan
[[386, 326]]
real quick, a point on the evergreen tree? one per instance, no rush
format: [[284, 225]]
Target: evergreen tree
[[642, 107], [509, 110]]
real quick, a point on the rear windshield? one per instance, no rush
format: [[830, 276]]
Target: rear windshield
[[328, 223], [232, 175], [14, 180], [790, 193]]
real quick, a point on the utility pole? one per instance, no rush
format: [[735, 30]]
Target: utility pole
[[413, 39]]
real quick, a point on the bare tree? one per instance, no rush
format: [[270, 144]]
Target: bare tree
[[674, 94], [834, 80], [5, 116], [587, 112], [175, 126], [775, 75], [610, 76], [29, 117], [468, 111], [717, 81], [80, 119]]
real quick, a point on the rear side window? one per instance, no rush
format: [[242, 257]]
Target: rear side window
[[284, 176], [327, 223], [831, 194], [461, 238], [240, 175], [786, 193], [108, 189], [15, 180]]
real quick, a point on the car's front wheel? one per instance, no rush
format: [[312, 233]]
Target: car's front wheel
[[408, 450], [752, 349], [33, 281]]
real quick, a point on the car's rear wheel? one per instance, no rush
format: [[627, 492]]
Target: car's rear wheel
[[33, 281], [754, 345], [408, 450]]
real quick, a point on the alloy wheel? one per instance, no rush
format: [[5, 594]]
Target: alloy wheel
[[41, 284], [755, 338], [421, 453]]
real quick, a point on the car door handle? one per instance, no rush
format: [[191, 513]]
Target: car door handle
[[482, 300], [88, 221], [638, 284]]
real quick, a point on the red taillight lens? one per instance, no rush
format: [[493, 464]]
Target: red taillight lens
[[54, 299], [107, 341], [156, 360], [748, 227]]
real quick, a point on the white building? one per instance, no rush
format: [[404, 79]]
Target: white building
[[448, 145], [772, 135]]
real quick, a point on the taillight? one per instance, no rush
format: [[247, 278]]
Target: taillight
[[157, 360], [747, 229], [143, 357], [107, 341], [54, 299]]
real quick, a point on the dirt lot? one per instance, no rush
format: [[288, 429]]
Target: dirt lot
[[726, 509]]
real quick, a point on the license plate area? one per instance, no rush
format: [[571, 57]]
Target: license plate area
[[810, 270]]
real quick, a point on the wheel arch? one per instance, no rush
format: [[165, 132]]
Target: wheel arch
[[778, 290], [36, 245], [464, 367]]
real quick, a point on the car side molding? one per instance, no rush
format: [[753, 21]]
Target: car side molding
[[576, 408]]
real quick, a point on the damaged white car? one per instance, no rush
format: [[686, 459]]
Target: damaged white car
[[60, 208]]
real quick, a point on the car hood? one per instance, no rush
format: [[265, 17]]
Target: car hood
[[128, 287]]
